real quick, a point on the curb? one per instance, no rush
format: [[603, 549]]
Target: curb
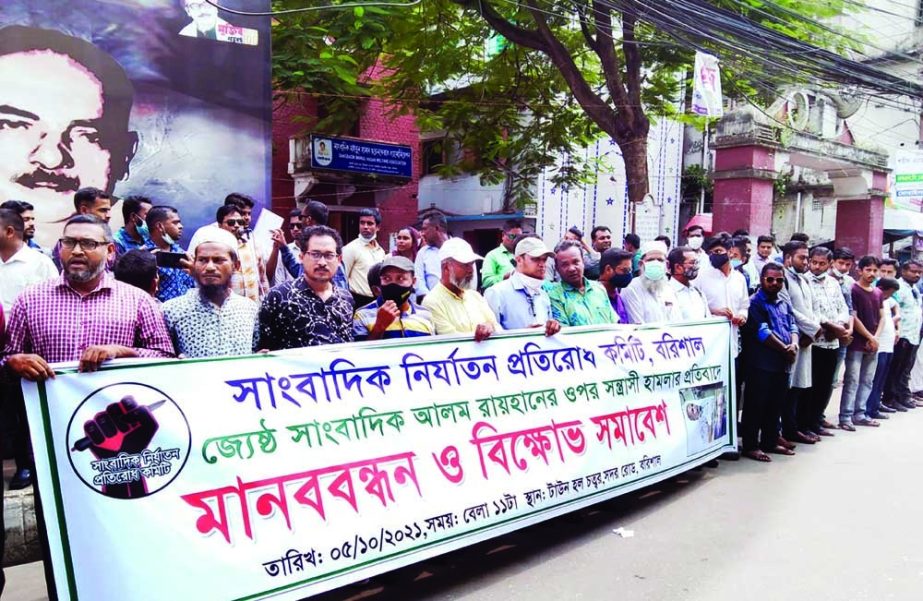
[[22, 543]]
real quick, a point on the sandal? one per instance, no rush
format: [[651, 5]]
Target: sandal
[[847, 427], [780, 450], [867, 422], [758, 455]]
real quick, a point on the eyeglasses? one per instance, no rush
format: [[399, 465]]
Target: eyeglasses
[[84, 243], [233, 222], [317, 256], [769, 280]]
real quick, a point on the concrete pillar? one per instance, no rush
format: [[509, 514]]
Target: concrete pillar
[[743, 193]]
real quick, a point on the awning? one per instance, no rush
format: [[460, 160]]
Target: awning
[[702, 220]]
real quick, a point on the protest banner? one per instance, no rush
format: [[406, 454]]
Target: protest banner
[[292, 473]]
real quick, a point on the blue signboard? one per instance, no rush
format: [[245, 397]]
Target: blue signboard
[[360, 156]]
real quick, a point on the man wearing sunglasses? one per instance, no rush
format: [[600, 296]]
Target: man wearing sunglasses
[[771, 337], [500, 263], [250, 279]]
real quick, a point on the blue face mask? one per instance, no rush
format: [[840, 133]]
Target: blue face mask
[[735, 263], [141, 228], [655, 270]]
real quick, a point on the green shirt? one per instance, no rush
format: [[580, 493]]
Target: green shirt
[[570, 307], [497, 264]]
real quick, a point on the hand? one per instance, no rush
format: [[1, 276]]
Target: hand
[[483, 332], [738, 320], [507, 275], [94, 355], [804, 340], [278, 238], [846, 340], [552, 327], [791, 352], [31, 367], [186, 264], [871, 345], [386, 315], [723, 312], [124, 427]]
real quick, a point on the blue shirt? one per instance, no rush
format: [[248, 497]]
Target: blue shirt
[[427, 269], [766, 317], [124, 242], [174, 281], [515, 306]]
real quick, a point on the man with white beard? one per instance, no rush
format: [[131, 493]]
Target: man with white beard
[[455, 309], [649, 297]]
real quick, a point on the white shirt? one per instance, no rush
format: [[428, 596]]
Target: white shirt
[[28, 266], [888, 333], [643, 306], [722, 291], [690, 304]]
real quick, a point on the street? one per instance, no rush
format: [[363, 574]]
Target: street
[[839, 521]]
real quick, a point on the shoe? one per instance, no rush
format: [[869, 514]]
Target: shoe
[[825, 424], [22, 479], [886, 409], [878, 416], [895, 407], [784, 443], [847, 427], [908, 404], [822, 432]]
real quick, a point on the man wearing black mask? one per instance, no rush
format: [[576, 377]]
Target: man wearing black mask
[[394, 314], [615, 274]]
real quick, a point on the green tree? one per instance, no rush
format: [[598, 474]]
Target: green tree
[[521, 83]]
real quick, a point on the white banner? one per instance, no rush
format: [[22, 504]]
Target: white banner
[[706, 86], [289, 474]]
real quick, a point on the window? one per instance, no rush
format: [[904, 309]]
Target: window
[[434, 155]]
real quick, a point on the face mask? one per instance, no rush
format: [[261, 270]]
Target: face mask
[[397, 293], [735, 263], [691, 273], [718, 261], [620, 280], [168, 239], [532, 284], [655, 270], [819, 278], [695, 242], [367, 237], [141, 228]]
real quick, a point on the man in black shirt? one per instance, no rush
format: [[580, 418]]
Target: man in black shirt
[[310, 310]]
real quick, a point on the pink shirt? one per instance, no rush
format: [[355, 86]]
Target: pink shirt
[[53, 321]]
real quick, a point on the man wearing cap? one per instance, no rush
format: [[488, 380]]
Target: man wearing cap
[[456, 309], [519, 301], [211, 320], [649, 298], [393, 314]]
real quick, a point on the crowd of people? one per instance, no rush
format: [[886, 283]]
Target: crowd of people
[[796, 312]]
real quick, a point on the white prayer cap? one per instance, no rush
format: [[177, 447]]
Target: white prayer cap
[[653, 245], [216, 235]]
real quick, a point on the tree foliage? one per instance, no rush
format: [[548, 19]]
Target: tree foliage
[[521, 83]]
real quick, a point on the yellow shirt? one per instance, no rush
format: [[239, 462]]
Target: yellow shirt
[[453, 314], [358, 258]]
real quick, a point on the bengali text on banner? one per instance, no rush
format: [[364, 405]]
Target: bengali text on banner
[[293, 473]]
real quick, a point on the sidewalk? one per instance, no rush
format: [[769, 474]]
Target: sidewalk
[[22, 543]]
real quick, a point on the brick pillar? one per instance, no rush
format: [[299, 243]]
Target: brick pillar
[[743, 194], [860, 223]]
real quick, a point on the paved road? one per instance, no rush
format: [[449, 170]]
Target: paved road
[[841, 521]]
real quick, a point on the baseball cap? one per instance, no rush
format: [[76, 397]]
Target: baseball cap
[[459, 250], [534, 247], [402, 263]]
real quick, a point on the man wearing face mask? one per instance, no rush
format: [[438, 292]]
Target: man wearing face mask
[[166, 228], [615, 266], [724, 288], [695, 237], [134, 234], [684, 268], [576, 300], [394, 314], [797, 291], [649, 297], [519, 301]]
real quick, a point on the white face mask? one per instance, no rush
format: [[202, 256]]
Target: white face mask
[[695, 242]]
